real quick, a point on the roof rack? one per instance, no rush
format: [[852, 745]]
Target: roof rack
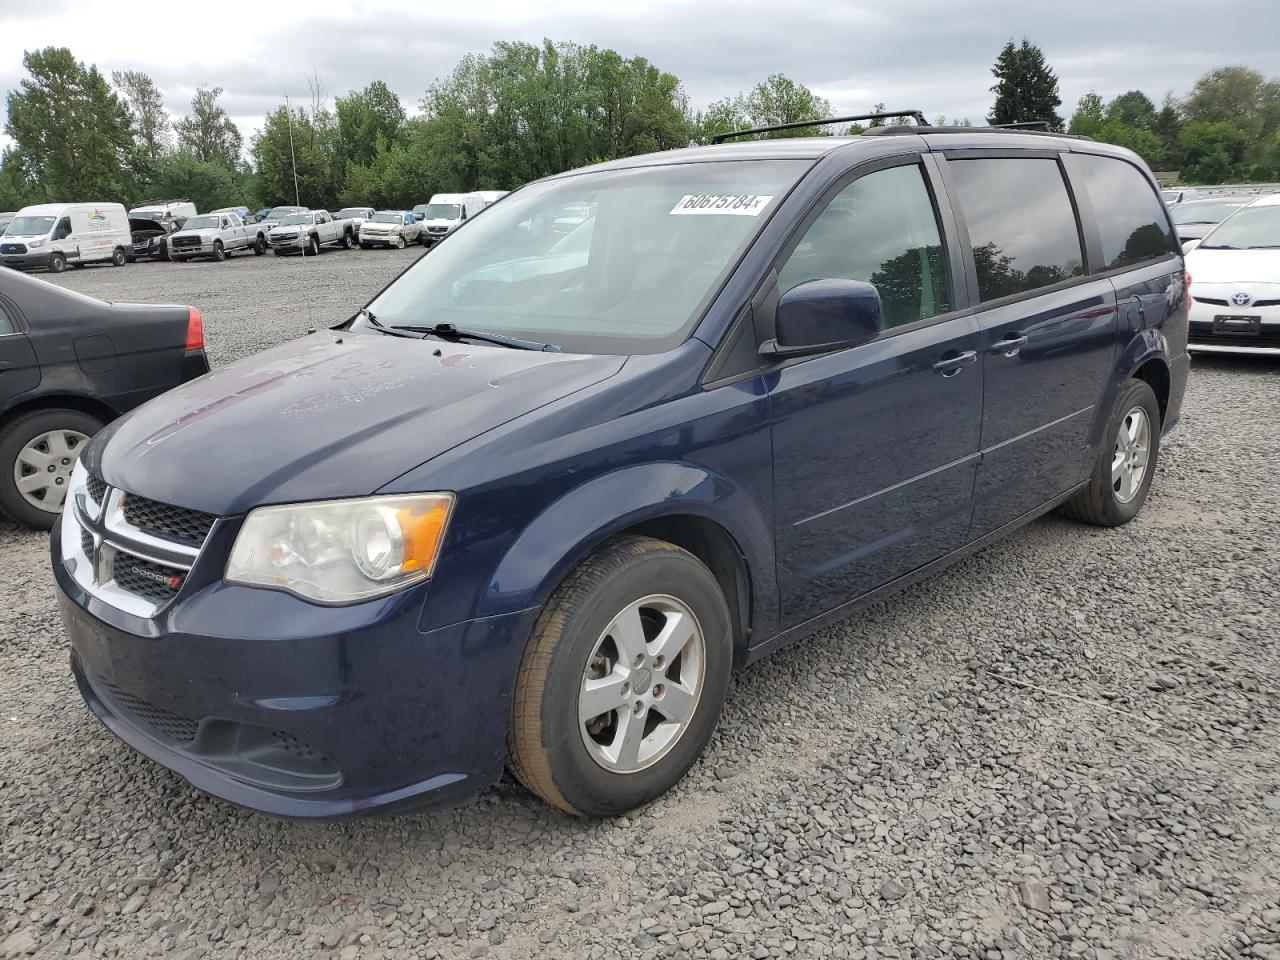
[[1021, 125], [916, 115], [143, 203]]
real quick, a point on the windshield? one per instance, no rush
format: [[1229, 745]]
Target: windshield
[[29, 226], [440, 211], [1205, 212], [295, 218], [1249, 228], [350, 213], [202, 223], [388, 217], [275, 213], [659, 243]]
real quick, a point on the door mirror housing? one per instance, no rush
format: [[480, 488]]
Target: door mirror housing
[[821, 316]]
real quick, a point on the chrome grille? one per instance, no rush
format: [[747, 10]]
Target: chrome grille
[[145, 578], [175, 523]]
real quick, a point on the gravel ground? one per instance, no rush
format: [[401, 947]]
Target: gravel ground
[[1067, 746]]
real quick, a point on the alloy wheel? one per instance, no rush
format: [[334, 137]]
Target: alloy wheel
[[43, 468], [1132, 453], [641, 685]]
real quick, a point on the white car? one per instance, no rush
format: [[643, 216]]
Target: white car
[[1235, 282], [389, 228]]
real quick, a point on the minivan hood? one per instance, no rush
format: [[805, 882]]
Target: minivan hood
[[336, 414]]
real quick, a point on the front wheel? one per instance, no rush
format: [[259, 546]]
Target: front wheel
[[57, 262], [398, 242], [219, 254], [259, 246], [623, 680], [346, 240], [312, 249], [37, 453], [1126, 461]]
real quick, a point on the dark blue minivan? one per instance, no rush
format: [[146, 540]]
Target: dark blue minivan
[[636, 425]]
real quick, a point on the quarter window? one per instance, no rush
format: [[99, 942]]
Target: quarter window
[[1021, 224], [6, 325], [881, 229], [1131, 218]]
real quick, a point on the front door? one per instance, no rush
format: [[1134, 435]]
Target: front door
[[875, 447], [1048, 333], [19, 370]]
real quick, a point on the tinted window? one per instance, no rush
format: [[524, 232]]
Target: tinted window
[[1131, 218], [1021, 224], [882, 229], [6, 325]]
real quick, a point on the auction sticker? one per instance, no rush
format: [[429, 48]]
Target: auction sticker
[[731, 204]]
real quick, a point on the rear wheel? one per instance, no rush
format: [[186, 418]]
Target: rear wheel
[[37, 453], [219, 254], [1126, 461], [623, 681], [118, 257]]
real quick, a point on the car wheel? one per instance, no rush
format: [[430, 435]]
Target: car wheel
[[259, 247], [1126, 462], [398, 242], [164, 252], [117, 257], [37, 453], [364, 246], [346, 240], [623, 680], [57, 262], [219, 254], [312, 248]]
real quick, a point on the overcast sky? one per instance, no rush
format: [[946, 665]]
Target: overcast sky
[[934, 55]]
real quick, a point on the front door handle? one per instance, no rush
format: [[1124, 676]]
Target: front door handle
[[950, 366], [1010, 344]]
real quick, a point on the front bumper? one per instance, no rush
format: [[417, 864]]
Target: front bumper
[[297, 710], [1209, 334], [26, 261], [203, 249], [380, 239]]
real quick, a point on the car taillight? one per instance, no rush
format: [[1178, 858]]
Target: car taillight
[[195, 330]]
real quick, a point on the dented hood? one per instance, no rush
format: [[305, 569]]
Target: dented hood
[[336, 414]]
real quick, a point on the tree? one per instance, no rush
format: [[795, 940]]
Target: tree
[[1026, 88], [774, 101], [1088, 118], [17, 188], [1242, 98], [362, 117], [274, 156], [149, 121], [209, 185], [71, 130], [209, 133], [1133, 109], [1211, 151]]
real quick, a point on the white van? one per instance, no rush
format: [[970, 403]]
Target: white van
[[490, 197], [445, 213], [53, 235]]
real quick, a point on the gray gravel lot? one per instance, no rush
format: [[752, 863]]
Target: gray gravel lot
[[1066, 746]]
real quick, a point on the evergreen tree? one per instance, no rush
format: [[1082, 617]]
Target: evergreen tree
[[1026, 88], [152, 137], [209, 133]]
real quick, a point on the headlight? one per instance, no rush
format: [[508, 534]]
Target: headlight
[[32, 244], [341, 551]]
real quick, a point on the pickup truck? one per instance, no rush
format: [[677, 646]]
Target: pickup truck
[[306, 233], [217, 236]]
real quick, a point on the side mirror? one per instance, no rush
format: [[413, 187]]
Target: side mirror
[[821, 316], [419, 216], [1191, 245]]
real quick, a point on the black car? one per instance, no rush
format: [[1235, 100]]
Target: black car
[[68, 365], [151, 237]]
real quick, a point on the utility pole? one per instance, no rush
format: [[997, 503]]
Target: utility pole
[[288, 112]]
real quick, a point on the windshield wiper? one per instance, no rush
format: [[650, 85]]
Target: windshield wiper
[[382, 327], [447, 331], [1216, 246]]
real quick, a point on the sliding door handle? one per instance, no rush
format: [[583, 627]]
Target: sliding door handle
[[949, 366]]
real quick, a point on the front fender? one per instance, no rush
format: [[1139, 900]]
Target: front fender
[[575, 524]]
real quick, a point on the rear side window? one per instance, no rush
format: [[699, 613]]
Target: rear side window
[[1021, 223], [6, 324], [881, 229], [1131, 218]]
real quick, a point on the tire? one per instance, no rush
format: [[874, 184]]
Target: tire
[[164, 252], [57, 262], [219, 253], [17, 436], [346, 239], [398, 242], [1105, 501], [364, 246], [259, 246], [559, 757], [312, 249], [118, 258]]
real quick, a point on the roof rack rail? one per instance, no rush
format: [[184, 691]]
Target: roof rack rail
[[916, 115], [1019, 125]]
